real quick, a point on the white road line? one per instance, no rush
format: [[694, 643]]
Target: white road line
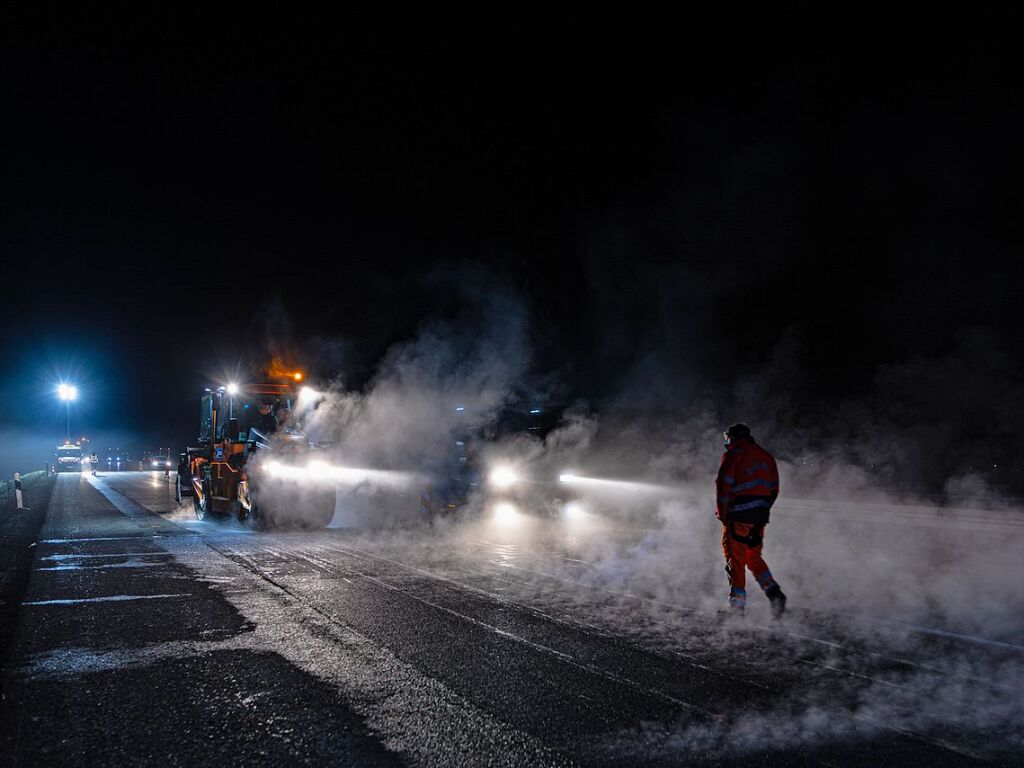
[[106, 554], [108, 599], [103, 567], [82, 539], [958, 636]]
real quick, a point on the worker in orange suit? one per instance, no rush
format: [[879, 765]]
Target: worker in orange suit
[[747, 486]]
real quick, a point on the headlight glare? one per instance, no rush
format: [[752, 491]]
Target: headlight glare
[[503, 476]]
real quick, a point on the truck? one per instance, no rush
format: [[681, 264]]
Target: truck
[[252, 462], [68, 457]]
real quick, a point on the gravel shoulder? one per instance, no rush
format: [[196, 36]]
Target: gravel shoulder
[[19, 531]]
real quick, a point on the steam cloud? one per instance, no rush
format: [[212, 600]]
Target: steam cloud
[[889, 524]]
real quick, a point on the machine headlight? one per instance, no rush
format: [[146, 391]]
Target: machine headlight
[[503, 476], [505, 513], [574, 510]]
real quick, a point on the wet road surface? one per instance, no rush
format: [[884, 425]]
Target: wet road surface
[[149, 637]]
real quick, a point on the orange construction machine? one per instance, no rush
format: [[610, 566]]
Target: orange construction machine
[[245, 432]]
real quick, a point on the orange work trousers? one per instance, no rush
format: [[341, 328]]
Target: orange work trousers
[[739, 556]]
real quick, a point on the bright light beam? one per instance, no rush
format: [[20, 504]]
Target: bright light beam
[[600, 483], [321, 471]]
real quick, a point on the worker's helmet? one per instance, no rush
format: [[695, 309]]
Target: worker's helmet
[[735, 432]]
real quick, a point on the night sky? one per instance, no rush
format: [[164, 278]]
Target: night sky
[[670, 196]]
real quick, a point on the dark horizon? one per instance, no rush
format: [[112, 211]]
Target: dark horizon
[[677, 206]]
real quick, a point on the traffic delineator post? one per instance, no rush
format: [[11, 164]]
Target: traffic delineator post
[[17, 491]]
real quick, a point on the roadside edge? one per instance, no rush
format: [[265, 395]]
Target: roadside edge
[[19, 531]]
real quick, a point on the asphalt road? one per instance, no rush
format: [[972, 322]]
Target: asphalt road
[[147, 637]]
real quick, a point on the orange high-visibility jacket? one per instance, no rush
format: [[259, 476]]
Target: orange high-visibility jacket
[[747, 483]]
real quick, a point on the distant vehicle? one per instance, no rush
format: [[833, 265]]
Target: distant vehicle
[[476, 469], [156, 459], [68, 457], [115, 460], [252, 462]]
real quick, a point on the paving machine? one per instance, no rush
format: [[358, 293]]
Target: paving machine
[[246, 434]]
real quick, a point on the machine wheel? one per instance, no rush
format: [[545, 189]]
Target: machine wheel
[[204, 506], [321, 510], [256, 516], [243, 516], [177, 487], [252, 517], [315, 511]]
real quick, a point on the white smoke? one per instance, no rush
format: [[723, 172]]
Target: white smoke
[[872, 568]]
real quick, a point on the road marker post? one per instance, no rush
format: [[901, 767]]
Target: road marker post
[[17, 490]]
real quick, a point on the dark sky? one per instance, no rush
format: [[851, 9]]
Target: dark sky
[[669, 194]]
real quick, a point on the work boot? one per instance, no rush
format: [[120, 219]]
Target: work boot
[[777, 599], [737, 600], [734, 613]]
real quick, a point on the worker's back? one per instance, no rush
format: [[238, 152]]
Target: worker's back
[[749, 479]]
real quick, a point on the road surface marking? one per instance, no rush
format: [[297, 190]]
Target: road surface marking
[[108, 599], [101, 538], [106, 554], [959, 636], [129, 564]]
